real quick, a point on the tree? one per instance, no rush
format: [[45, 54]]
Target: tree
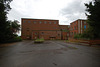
[[93, 8], [15, 27], [4, 8]]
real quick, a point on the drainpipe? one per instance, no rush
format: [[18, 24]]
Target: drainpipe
[[61, 35]]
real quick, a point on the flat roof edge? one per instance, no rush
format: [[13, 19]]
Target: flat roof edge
[[39, 19], [79, 19]]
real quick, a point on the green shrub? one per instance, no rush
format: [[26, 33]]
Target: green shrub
[[39, 40], [18, 39], [15, 39], [77, 36], [85, 36]]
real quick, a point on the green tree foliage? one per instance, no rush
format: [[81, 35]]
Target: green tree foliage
[[93, 8], [8, 28], [14, 26], [82, 36], [4, 29], [77, 36]]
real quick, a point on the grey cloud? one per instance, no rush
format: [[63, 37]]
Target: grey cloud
[[65, 22], [16, 15], [74, 10], [37, 0], [73, 7]]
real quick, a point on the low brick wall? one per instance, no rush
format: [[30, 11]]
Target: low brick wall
[[93, 42], [90, 42]]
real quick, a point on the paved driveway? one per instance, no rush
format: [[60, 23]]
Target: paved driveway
[[49, 54]]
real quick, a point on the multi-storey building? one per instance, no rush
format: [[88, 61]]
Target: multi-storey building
[[78, 27], [42, 28], [50, 29], [64, 31]]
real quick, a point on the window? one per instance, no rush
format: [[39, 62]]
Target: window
[[45, 22], [29, 21], [34, 22], [40, 22], [84, 22], [84, 26], [49, 22], [24, 21], [54, 22]]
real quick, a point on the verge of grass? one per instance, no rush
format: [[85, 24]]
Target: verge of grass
[[73, 41]]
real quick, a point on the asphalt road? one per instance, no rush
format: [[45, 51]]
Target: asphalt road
[[49, 54]]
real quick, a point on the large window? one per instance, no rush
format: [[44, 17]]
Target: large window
[[34, 22], [84, 26], [54, 22], [49, 22], [24, 21], [29, 21], [40, 22], [45, 22], [84, 22]]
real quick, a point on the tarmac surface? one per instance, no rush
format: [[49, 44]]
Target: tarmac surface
[[49, 54]]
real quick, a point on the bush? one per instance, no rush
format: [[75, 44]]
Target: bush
[[77, 36], [16, 39], [39, 40], [85, 36]]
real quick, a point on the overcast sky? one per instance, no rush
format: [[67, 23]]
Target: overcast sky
[[66, 11]]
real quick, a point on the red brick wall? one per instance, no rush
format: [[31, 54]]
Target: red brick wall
[[90, 42], [46, 34], [31, 26], [65, 31], [50, 27], [76, 27], [65, 35], [73, 28]]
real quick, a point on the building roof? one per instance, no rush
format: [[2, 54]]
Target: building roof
[[64, 26], [38, 19], [79, 19]]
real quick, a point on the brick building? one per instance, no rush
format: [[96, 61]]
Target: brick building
[[43, 28], [78, 27], [64, 31]]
